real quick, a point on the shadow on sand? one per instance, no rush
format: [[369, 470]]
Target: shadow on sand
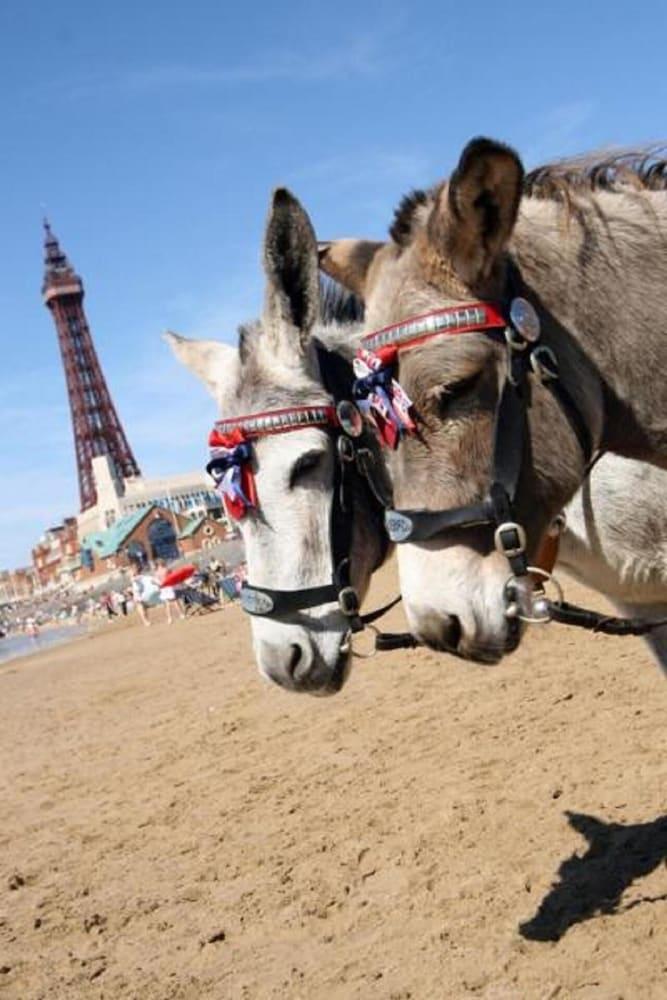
[[594, 882]]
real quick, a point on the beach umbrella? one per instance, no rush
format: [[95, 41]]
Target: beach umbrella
[[178, 575]]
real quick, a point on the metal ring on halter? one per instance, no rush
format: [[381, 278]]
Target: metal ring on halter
[[345, 448], [365, 656], [514, 340], [513, 607]]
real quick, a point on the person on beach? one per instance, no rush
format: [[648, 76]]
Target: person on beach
[[32, 628], [167, 594], [145, 593], [119, 602], [106, 600]]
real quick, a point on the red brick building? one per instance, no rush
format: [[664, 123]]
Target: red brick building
[[17, 584], [202, 533], [55, 558], [145, 536]]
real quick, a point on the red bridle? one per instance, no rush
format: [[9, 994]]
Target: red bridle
[[379, 394]]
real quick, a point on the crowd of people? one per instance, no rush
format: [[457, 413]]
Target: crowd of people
[[149, 590], [212, 584]]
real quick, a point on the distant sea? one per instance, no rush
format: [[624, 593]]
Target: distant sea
[[14, 646]]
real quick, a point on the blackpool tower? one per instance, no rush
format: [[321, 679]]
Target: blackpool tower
[[95, 424]]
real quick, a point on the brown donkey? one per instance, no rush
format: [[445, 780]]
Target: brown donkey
[[585, 243]]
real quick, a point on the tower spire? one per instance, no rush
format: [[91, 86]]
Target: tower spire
[[54, 258], [95, 424]]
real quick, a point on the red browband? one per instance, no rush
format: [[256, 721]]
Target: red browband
[[254, 425], [412, 332]]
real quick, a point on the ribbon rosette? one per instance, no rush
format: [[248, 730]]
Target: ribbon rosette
[[380, 397], [230, 467]]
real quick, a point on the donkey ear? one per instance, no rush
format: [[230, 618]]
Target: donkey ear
[[217, 365], [475, 213], [348, 262], [290, 264]]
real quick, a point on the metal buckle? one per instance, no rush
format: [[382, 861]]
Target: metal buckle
[[348, 602], [544, 363], [513, 550], [526, 603]]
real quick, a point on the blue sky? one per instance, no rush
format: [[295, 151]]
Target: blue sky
[[153, 133]]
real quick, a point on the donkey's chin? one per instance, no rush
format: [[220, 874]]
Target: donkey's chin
[[446, 635]]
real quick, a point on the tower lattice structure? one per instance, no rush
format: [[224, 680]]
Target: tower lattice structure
[[95, 424]]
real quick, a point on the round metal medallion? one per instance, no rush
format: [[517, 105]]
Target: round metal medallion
[[255, 602], [399, 527], [350, 418], [525, 319]]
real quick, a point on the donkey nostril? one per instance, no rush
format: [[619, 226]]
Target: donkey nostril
[[295, 658], [454, 632]]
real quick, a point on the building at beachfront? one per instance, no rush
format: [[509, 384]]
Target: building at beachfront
[[62, 558], [17, 584], [189, 494], [147, 534], [55, 557]]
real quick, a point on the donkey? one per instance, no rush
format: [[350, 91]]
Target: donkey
[[275, 380], [275, 366], [614, 540], [582, 248]]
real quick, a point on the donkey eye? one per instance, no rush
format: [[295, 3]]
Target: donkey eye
[[455, 390], [305, 464]]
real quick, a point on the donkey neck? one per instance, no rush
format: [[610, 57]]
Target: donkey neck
[[599, 269]]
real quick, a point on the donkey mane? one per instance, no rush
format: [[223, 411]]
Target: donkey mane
[[643, 169], [617, 171], [401, 227]]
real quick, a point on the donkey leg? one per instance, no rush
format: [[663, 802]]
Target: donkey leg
[[656, 640]]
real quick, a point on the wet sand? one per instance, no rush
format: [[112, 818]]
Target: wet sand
[[173, 827], [19, 644]]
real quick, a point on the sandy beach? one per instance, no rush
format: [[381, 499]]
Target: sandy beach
[[173, 827]]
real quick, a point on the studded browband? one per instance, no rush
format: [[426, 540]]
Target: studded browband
[[290, 418], [452, 320]]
